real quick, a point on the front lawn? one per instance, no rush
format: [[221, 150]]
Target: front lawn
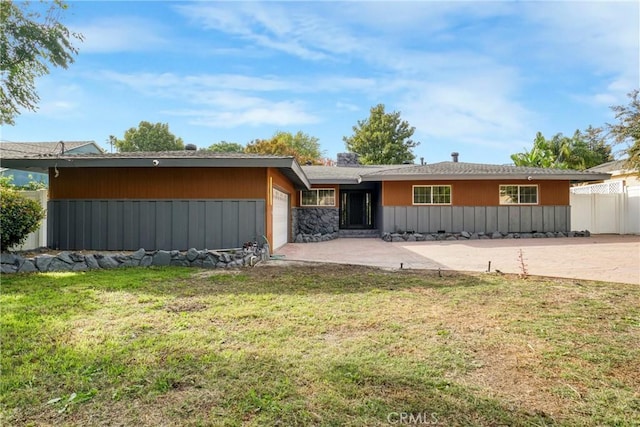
[[316, 345]]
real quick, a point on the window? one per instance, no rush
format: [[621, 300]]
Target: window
[[518, 194], [431, 194], [318, 197]]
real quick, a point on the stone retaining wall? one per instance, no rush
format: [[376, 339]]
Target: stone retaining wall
[[72, 261], [464, 235]]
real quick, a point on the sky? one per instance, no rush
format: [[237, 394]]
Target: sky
[[480, 78]]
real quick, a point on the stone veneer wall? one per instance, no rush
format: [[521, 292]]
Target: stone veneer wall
[[315, 224], [72, 261]]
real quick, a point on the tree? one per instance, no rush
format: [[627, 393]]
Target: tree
[[148, 137], [19, 216], [540, 156], [226, 147], [627, 129], [303, 147], [588, 149], [383, 138], [581, 151], [31, 41]]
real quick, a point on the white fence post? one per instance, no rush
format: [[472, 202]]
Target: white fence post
[[38, 238]]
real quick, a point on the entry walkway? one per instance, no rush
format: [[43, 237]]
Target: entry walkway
[[602, 257]]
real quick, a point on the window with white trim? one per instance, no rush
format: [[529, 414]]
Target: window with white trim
[[318, 197], [518, 194], [431, 194]]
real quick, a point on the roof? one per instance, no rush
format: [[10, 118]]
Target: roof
[[460, 170], [342, 174], [613, 166], [160, 159], [302, 177], [10, 149]]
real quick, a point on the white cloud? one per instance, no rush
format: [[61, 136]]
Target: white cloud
[[262, 112], [197, 86], [297, 31], [120, 34], [223, 100], [477, 110], [602, 38]]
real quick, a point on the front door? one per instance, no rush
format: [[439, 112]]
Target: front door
[[356, 209]]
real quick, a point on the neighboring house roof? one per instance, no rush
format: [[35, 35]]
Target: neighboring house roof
[[460, 170], [187, 158], [11, 149], [613, 166]]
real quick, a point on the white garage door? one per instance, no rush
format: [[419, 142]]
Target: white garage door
[[280, 218]]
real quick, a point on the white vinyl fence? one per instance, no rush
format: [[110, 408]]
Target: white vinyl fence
[[38, 238], [609, 208]]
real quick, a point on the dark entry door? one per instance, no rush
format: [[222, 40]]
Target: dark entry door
[[356, 209]]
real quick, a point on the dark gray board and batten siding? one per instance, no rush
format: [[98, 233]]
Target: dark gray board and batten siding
[[114, 225], [505, 219]]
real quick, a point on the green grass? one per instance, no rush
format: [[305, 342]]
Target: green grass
[[316, 345]]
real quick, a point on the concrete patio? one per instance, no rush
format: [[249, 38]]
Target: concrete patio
[[611, 258]]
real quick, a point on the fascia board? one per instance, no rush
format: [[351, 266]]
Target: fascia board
[[458, 177]]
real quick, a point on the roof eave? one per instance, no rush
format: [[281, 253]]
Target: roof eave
[[298, 177], [458, 177], [40, 164], [333, 181]]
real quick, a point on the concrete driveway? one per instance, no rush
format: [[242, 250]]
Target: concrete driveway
[[599, 257]]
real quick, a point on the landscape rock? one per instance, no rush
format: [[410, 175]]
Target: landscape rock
[[79, 266], [27, 267], [8, 258], [92, 262], [465, 235], [75, 257], [58, 264], [192, 254], [42, 262], [65, 257], [139, 254], [8, 268], [146, 261], [106, 261], [161, 258]]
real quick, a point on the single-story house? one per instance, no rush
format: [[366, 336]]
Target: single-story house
[[12, 149], [177, 200], [619, 171]]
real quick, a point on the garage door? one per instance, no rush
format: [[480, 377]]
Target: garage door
[[280, 218]]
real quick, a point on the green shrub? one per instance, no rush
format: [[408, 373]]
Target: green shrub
[[19, 216]]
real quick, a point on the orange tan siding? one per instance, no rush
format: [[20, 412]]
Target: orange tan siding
[[158, 183], [475, 192]]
